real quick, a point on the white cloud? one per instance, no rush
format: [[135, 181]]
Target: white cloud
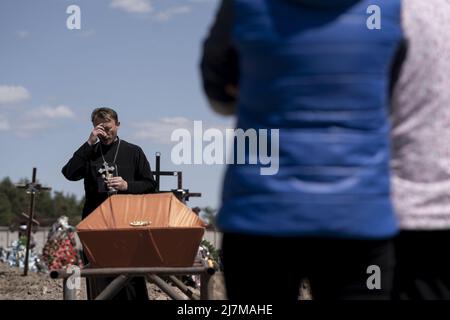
[[135, 6], [203, 1], [166, 14], [13, 94], [159, 131], [146, 6], [22, 33], [40, 119], [29, 128], [59, 112], [4, 123]]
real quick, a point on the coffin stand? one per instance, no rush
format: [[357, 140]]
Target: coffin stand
[[149, 235]]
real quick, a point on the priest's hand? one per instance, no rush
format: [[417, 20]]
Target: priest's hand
[[117, 183], [99, 131]]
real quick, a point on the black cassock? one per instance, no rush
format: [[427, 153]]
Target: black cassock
[[132, 165]]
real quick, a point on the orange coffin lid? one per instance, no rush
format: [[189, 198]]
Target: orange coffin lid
[[170, 237]]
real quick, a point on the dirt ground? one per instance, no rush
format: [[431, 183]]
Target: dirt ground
[[39, 286]]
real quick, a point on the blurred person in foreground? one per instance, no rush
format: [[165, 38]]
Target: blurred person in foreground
[[315, 71], [421, 153]]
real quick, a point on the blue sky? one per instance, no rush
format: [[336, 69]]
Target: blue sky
[[138, 56]]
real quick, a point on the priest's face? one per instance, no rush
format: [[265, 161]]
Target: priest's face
[[110, 127]]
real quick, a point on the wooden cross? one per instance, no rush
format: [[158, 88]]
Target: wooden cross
[[32, 189], [180, 193], [28, 217]]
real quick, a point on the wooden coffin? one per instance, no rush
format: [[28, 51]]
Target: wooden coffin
[[115, 234]]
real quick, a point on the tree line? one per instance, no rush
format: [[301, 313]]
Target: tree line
[[49, 205]]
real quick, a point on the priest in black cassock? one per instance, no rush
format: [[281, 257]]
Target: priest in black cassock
[[108, 166]]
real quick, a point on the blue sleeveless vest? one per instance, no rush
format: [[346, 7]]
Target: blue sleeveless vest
[[316, 72]]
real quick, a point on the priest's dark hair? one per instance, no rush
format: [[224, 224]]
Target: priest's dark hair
[[104, 113]]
